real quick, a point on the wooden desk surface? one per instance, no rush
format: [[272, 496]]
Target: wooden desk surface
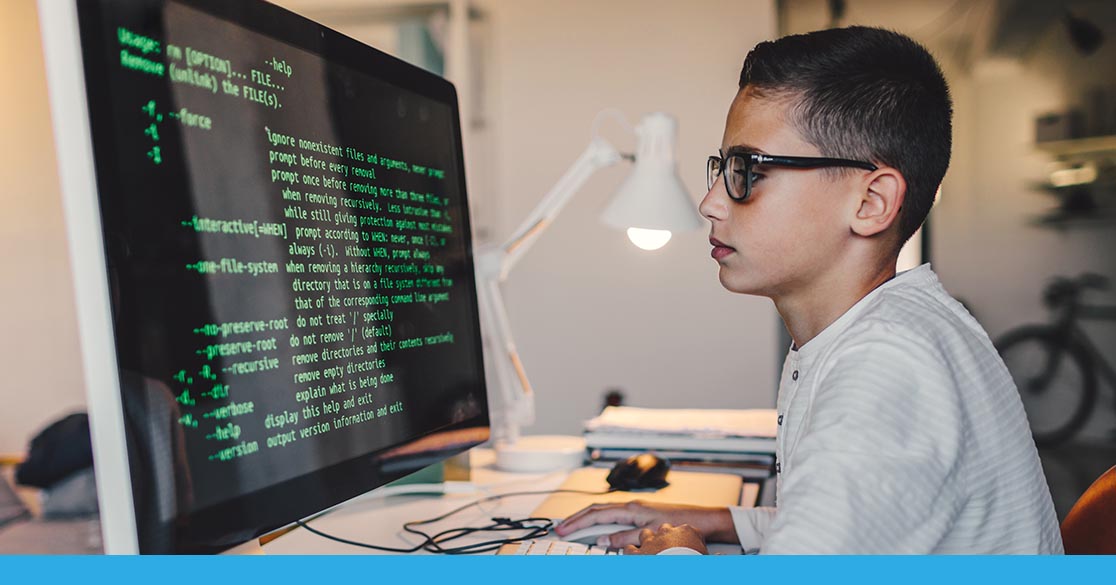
[[686, 487]]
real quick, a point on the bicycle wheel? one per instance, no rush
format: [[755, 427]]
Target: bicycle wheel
[[1056, 382]]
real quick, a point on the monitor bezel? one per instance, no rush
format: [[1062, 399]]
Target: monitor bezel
[[87, 161]]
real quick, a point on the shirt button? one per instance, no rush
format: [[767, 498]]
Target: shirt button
[[778, 467], [780, 421], [794, 375]]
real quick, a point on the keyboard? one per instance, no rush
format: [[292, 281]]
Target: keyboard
[[555, 547]]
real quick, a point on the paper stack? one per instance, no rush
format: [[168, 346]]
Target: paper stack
[[736, 441]]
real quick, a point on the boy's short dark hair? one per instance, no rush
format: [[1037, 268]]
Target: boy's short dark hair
[[864, 93]]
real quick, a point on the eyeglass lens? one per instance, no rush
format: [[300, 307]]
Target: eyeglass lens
[[738, 177], [736, 173], [712, 169]]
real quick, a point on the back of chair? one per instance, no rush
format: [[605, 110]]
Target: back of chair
[[1090, 527]]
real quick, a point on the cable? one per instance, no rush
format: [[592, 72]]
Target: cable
[[433, 543], [355, 543], [535, 527]]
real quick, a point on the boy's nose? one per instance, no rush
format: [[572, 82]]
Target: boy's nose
[[714, 206]]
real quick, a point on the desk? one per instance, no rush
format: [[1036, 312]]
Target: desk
[[379, 520]]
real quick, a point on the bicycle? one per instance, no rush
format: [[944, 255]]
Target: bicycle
[[1055, 365]]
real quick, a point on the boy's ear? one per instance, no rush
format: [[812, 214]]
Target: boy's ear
[[881, 198]]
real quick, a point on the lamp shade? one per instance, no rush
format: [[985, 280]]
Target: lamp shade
[[653, 197]]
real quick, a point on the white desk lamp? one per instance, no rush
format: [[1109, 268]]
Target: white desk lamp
[[650, 204]]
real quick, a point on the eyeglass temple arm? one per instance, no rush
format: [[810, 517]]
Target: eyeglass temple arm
[[813, 162]]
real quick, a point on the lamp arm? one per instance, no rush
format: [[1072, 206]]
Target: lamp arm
[[598, 155], [493, 266], [518, 406]]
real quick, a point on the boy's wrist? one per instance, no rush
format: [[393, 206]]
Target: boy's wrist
[[719, 527]]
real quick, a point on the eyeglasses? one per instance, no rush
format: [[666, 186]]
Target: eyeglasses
[[740, 169]]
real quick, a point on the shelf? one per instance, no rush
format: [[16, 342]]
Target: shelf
[[1063, 221], [1079, 146], [1107, 185]]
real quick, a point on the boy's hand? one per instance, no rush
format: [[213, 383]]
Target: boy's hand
[[713, 524], [653, 543]]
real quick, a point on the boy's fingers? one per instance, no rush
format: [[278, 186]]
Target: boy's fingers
[[572, 518], [621, 539], [597, 514]]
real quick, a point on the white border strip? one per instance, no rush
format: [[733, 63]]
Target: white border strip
[[66, 81]]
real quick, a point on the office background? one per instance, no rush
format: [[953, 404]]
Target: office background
[[590, 311]]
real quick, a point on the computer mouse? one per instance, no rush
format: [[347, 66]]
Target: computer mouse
[[590, 534], [639, 472]]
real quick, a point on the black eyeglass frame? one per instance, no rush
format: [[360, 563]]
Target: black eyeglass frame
[[715, 167]]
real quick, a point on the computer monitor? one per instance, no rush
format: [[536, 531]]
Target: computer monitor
[[271, 246]]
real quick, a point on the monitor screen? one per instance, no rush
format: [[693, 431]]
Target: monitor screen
[[288, 256]]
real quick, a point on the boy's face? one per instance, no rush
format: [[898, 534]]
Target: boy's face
[[794, 225]]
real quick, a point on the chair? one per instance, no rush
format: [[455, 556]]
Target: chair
[[1090, 527]]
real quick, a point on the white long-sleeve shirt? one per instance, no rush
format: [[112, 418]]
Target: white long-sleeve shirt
[[901, 431]]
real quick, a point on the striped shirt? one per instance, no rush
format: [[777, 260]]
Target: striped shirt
[[901, 431]]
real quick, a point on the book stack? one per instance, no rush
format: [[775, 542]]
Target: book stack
[[741, 442]]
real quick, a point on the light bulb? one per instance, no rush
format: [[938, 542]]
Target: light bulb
[[648, 239]]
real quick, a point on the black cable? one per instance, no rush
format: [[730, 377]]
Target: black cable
[[535, 527], [355, 543]]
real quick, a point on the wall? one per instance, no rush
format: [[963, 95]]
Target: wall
[[997, 257], [39, 351], [589, 310]]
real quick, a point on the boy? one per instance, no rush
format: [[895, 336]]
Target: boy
[[900, 430]]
